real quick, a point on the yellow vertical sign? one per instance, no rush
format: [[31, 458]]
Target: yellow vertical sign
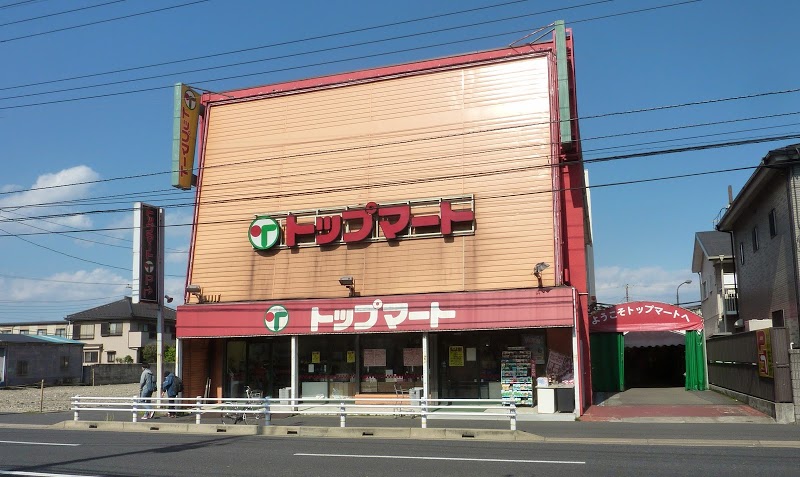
[[315, 358], [456, 356], [184, 135], [351, 356]]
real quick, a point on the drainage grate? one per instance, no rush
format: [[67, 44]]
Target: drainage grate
[[291, 433], [221, 429], [468, 434], [367, 433]]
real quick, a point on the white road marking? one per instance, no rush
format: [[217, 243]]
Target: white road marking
[[38, 443], [41, 474], [520, 461]]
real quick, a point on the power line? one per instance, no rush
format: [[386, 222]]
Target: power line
[[290, 55], [596, 116], [60, 13], [282, 43], [593, 186], [586, 152], [71, 282], [98, 22], [323, 63]]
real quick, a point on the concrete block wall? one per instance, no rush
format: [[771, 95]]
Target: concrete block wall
[[117, 373], [794, 366]]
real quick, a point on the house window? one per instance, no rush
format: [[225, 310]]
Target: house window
[[111, 356], [755, 238], [5, 331], [41, 332], [83, 332], [22, 368], [111, 329], [91, 357], [704, 288], [61, 332], [64, 363], [773, 227], [777, 319], [741, 253], [24, 332]]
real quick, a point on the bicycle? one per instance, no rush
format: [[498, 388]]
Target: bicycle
[[243, 408]]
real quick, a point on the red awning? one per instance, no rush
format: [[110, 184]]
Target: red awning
[[644, 316], [525, 308]]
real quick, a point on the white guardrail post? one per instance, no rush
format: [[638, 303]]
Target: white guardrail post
[[424, 412], [342, 414], [267, 421], [512, 416], [135, 415], [75, 403], [199, 408]]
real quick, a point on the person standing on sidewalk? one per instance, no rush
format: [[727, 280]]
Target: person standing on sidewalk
[[147, 385], [170, 388]]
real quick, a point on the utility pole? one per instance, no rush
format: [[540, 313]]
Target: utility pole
[[627, 297]]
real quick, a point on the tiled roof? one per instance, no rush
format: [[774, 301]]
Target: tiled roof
[[715, 243], [122, 310]]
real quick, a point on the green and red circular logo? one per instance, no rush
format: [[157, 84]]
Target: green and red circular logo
[[276, 318], [264, 232]]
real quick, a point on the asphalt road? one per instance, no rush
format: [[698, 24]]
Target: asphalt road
[[79, 453]]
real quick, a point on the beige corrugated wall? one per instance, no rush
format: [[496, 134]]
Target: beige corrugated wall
[[481, 130]]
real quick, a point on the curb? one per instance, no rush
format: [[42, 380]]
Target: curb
[[300, 431]]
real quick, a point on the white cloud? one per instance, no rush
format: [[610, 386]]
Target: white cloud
[[647, 283], [83, 284], [51, 189]]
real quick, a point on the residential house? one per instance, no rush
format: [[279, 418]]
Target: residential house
[[712, 260], [763, 220], [29, 359], [119, 329], [42, 328]]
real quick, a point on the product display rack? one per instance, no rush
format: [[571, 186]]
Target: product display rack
[[516, 380]]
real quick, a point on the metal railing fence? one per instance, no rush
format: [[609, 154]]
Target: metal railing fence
[[264, 408]]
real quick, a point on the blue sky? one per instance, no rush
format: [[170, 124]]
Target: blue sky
[[51, 134]]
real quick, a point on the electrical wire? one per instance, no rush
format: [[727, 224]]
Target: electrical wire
[[284, 43], [98, 22], [324, 63], [60, 13]]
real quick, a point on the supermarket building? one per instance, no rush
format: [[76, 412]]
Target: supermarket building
[[422, 225]]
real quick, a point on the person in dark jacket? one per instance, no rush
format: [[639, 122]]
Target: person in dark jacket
[[170, 389], [147, 385]]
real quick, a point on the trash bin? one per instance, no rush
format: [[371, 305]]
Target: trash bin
[[565, 399]]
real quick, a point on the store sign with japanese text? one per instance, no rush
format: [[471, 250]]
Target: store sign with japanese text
[[370, 222], [510, 309], [644, 316]]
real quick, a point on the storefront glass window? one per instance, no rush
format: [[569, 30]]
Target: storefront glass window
[[390, 361]]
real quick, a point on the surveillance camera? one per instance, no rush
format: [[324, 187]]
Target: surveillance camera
[[168, 298], [346, 281]]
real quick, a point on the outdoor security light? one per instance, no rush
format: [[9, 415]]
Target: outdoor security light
[[350, 283], [539, 268], [168, 298], [193, 289]]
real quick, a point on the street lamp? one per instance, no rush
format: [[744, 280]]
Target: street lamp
[[677, 291]]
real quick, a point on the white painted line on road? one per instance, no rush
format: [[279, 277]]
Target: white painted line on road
[[38, 443], [466, 459], [41, 474]]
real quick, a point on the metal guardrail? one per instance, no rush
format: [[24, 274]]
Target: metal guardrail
[[264, 408]]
